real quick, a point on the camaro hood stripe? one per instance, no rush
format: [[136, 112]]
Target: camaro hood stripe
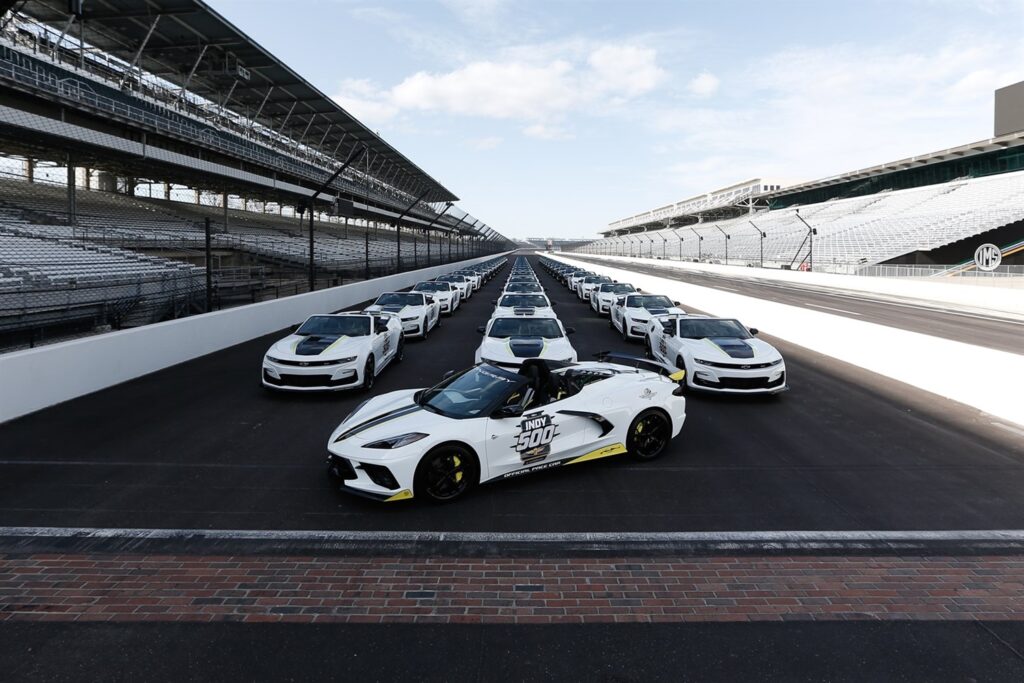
[[733, 346], [315, 345], [380, 419]]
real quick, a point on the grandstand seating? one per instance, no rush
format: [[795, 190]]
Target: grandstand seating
[[854, 231]]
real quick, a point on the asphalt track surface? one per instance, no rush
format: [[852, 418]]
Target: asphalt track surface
[[980, 329], [836, 651], [202, 445]]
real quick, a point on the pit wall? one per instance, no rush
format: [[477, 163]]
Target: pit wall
[[37, 378]]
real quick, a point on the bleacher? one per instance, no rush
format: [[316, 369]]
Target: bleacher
[[855, 231]]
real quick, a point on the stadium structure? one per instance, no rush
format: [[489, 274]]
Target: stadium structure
[[155, 161], [557, 243], [926, 214]]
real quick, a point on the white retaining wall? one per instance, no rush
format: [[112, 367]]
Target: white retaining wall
[[41, 377]]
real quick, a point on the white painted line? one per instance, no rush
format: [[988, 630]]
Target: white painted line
[[91, 533], [837, 310]]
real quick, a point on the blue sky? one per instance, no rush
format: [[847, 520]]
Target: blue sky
[[554, 118]]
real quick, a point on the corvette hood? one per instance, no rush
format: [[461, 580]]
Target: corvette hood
[[299, 347], [732, 348], [388, 408]]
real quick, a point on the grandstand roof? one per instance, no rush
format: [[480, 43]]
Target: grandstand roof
[[960, 152], [175, 38]]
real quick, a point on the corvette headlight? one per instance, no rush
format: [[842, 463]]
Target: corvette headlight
[[702, 361], [397, 441]]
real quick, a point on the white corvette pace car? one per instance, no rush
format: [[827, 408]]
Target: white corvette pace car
[[333, 352], [488, 423], [419, 311], [630, 314], [718, 354], [510, 340]]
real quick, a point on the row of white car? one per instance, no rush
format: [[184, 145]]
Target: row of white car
[[337, 351], [718, 355], [526, 406], [524, 324]]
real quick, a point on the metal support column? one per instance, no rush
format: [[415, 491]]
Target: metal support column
[[209, 267], [811, 232], [761, 235], [700, 239], [727, 238], [72, 203]]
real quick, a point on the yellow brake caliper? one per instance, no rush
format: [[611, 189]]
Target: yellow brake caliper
[[458, 473]]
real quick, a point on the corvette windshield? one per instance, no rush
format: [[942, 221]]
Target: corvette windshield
[[336, 326], [502, 328], [651, 301], [700, 328], [531, 300], [473, 393], [400, 299], [618, 288], [433, 287]]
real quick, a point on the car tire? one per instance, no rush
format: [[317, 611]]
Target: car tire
[[437, 323], [648, 348], [681, 364], [426, 328], [649, 434], [400, 349], [368, 374], [446, 473], [625, 326]]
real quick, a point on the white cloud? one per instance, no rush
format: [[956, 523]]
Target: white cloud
[[704, 84], [485, 143], [539, 90]]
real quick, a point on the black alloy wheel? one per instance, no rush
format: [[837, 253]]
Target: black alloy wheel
[[649, 435], [685, 383], [400, 349], [368, 373], [446, 473]]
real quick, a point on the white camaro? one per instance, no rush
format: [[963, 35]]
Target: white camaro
[[334, 351], [587, 284], [488, 423], [528, 305], [419, 311], [523, 288], [630, 314], [718, 354], [603, 296], [443, 292], [464, 285], [509, 341], [476, 279]]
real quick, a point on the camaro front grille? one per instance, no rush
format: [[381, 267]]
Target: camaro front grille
[[741, 366], [741, 382], [308, 381]]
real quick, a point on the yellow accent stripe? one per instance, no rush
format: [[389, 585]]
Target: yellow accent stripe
[[404, 494], [614, 449], [677, 376], [336, 342]]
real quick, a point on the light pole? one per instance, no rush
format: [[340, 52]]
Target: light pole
[[761, 236], [664, 244], [699, 240], [727, 238], [811, 232]]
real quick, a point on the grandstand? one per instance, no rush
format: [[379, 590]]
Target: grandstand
[[929, 212], [142, 143]]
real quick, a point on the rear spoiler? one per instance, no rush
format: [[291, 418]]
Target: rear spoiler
[[639, 363]]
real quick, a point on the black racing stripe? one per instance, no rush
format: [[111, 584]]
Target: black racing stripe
[[734, 347], [380, 419]]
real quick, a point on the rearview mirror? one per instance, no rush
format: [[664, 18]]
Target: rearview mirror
[[381, 327], [481, 329], [508, 411], [753, 330], [677, 303]]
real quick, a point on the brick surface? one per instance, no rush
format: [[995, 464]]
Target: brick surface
[[54, 587]]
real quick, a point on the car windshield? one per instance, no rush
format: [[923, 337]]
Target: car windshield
[[648, 301], [618, 288], [452, 278], [433, 287], [548, 328], [400, 299], [473, 393], [534, 300], [524, 287], [703, 327], [336, 326]]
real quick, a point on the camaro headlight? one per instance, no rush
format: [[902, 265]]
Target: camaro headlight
[[702, 361], [345, 360], [397, 441], [776, 362], [409, 320], [272, 359]]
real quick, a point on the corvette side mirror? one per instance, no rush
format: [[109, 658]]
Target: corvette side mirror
[[508, 411], [381, 327], [753, 330], [481, 329]]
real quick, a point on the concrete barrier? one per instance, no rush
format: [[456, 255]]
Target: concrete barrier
[[36, 378]]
